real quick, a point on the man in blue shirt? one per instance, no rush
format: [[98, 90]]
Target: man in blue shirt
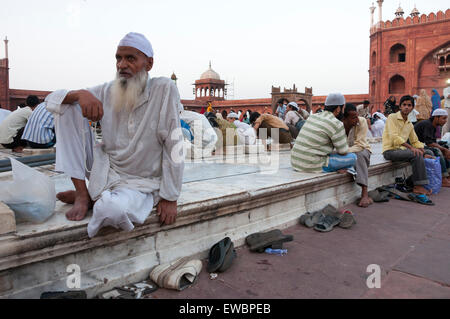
[[281, 109], [40, 129]]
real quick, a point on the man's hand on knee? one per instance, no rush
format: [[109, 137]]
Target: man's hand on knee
[[167, 212]]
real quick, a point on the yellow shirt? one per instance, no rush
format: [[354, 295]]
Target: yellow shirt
[[397, 131]]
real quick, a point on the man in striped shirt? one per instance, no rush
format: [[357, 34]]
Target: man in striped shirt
[[320, 135], [40, 129]]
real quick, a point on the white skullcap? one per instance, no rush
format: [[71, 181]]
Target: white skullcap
[[335, 99], [293, 104], [137, 41], [439, 112], [232, 115]]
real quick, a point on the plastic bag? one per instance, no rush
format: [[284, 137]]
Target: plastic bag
[[31, 194], [434, 173]]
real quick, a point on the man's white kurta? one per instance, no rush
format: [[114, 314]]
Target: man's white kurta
[[142, 149]]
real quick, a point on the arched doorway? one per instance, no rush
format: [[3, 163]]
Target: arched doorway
[[397, 84], [397, 54]]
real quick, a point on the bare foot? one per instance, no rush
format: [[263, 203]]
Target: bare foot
[[67, 197], [342, 171], [418, 189], [18, 149], [365, 202], [80, 208]]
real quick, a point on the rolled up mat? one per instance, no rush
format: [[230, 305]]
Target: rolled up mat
[[32, 164], [29, 159]]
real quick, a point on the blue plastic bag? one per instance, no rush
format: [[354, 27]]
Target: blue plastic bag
[[434, 173]]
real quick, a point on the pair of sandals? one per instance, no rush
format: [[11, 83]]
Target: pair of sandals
[[221, 256], [326, 219], [398, 194]]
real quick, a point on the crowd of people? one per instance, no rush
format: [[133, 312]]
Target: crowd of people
[[138, 165]]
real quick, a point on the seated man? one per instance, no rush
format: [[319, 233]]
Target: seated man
[[397, 133], [246, 133], [139, 163], [356, 129], [226, 133], [363, 109], [269, 122], [40, 129], [12, 127], [378, 124], [294, 120], [426, 132], [321, 134]]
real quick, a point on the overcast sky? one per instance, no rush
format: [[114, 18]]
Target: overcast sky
[[253, 44]]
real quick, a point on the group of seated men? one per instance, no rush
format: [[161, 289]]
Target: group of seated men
[[30, 126], [335, 140]]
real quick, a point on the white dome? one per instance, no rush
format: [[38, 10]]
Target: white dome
[[210, 74]]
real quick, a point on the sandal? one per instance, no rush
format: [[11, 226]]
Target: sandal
[[178, 274], [379, 196], [421, 199], [217, 254], [258, 242], [326, 223], [347, 220], [310, 219], [397, 194]]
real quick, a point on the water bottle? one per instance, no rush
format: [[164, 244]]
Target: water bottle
[[279, 252]]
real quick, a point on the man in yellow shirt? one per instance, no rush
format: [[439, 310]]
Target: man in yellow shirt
[[397, 133]]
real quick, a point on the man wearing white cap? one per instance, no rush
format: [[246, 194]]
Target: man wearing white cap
[[426, 132], [138, 164], [320, 135], [246, 133], [294, 120]]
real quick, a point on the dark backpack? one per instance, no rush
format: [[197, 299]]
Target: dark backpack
[[300, 122]]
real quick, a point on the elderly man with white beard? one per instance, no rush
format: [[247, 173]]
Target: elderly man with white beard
[[139, 163]]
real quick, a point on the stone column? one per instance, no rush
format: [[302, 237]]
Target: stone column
[[6, 47], [372, 10], [380, 10]]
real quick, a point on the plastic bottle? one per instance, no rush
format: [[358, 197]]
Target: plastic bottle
[[279, 252]]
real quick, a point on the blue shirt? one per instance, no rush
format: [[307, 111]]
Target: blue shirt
[[282, 111], [40, 126]]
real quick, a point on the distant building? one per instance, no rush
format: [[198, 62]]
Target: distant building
[[408, 54]]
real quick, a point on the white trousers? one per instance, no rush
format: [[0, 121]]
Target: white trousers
[[119, 207]]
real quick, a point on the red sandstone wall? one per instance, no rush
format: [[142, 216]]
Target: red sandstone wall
[[421, 37]]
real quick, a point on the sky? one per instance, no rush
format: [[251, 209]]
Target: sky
[[253, 45]]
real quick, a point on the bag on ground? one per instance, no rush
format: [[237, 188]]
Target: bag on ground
[[31, 194], [434, 173]]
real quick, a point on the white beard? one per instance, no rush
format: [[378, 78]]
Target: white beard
[[126, 92]]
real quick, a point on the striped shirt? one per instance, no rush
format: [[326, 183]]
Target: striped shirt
[[40, 126], [321, 133]]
